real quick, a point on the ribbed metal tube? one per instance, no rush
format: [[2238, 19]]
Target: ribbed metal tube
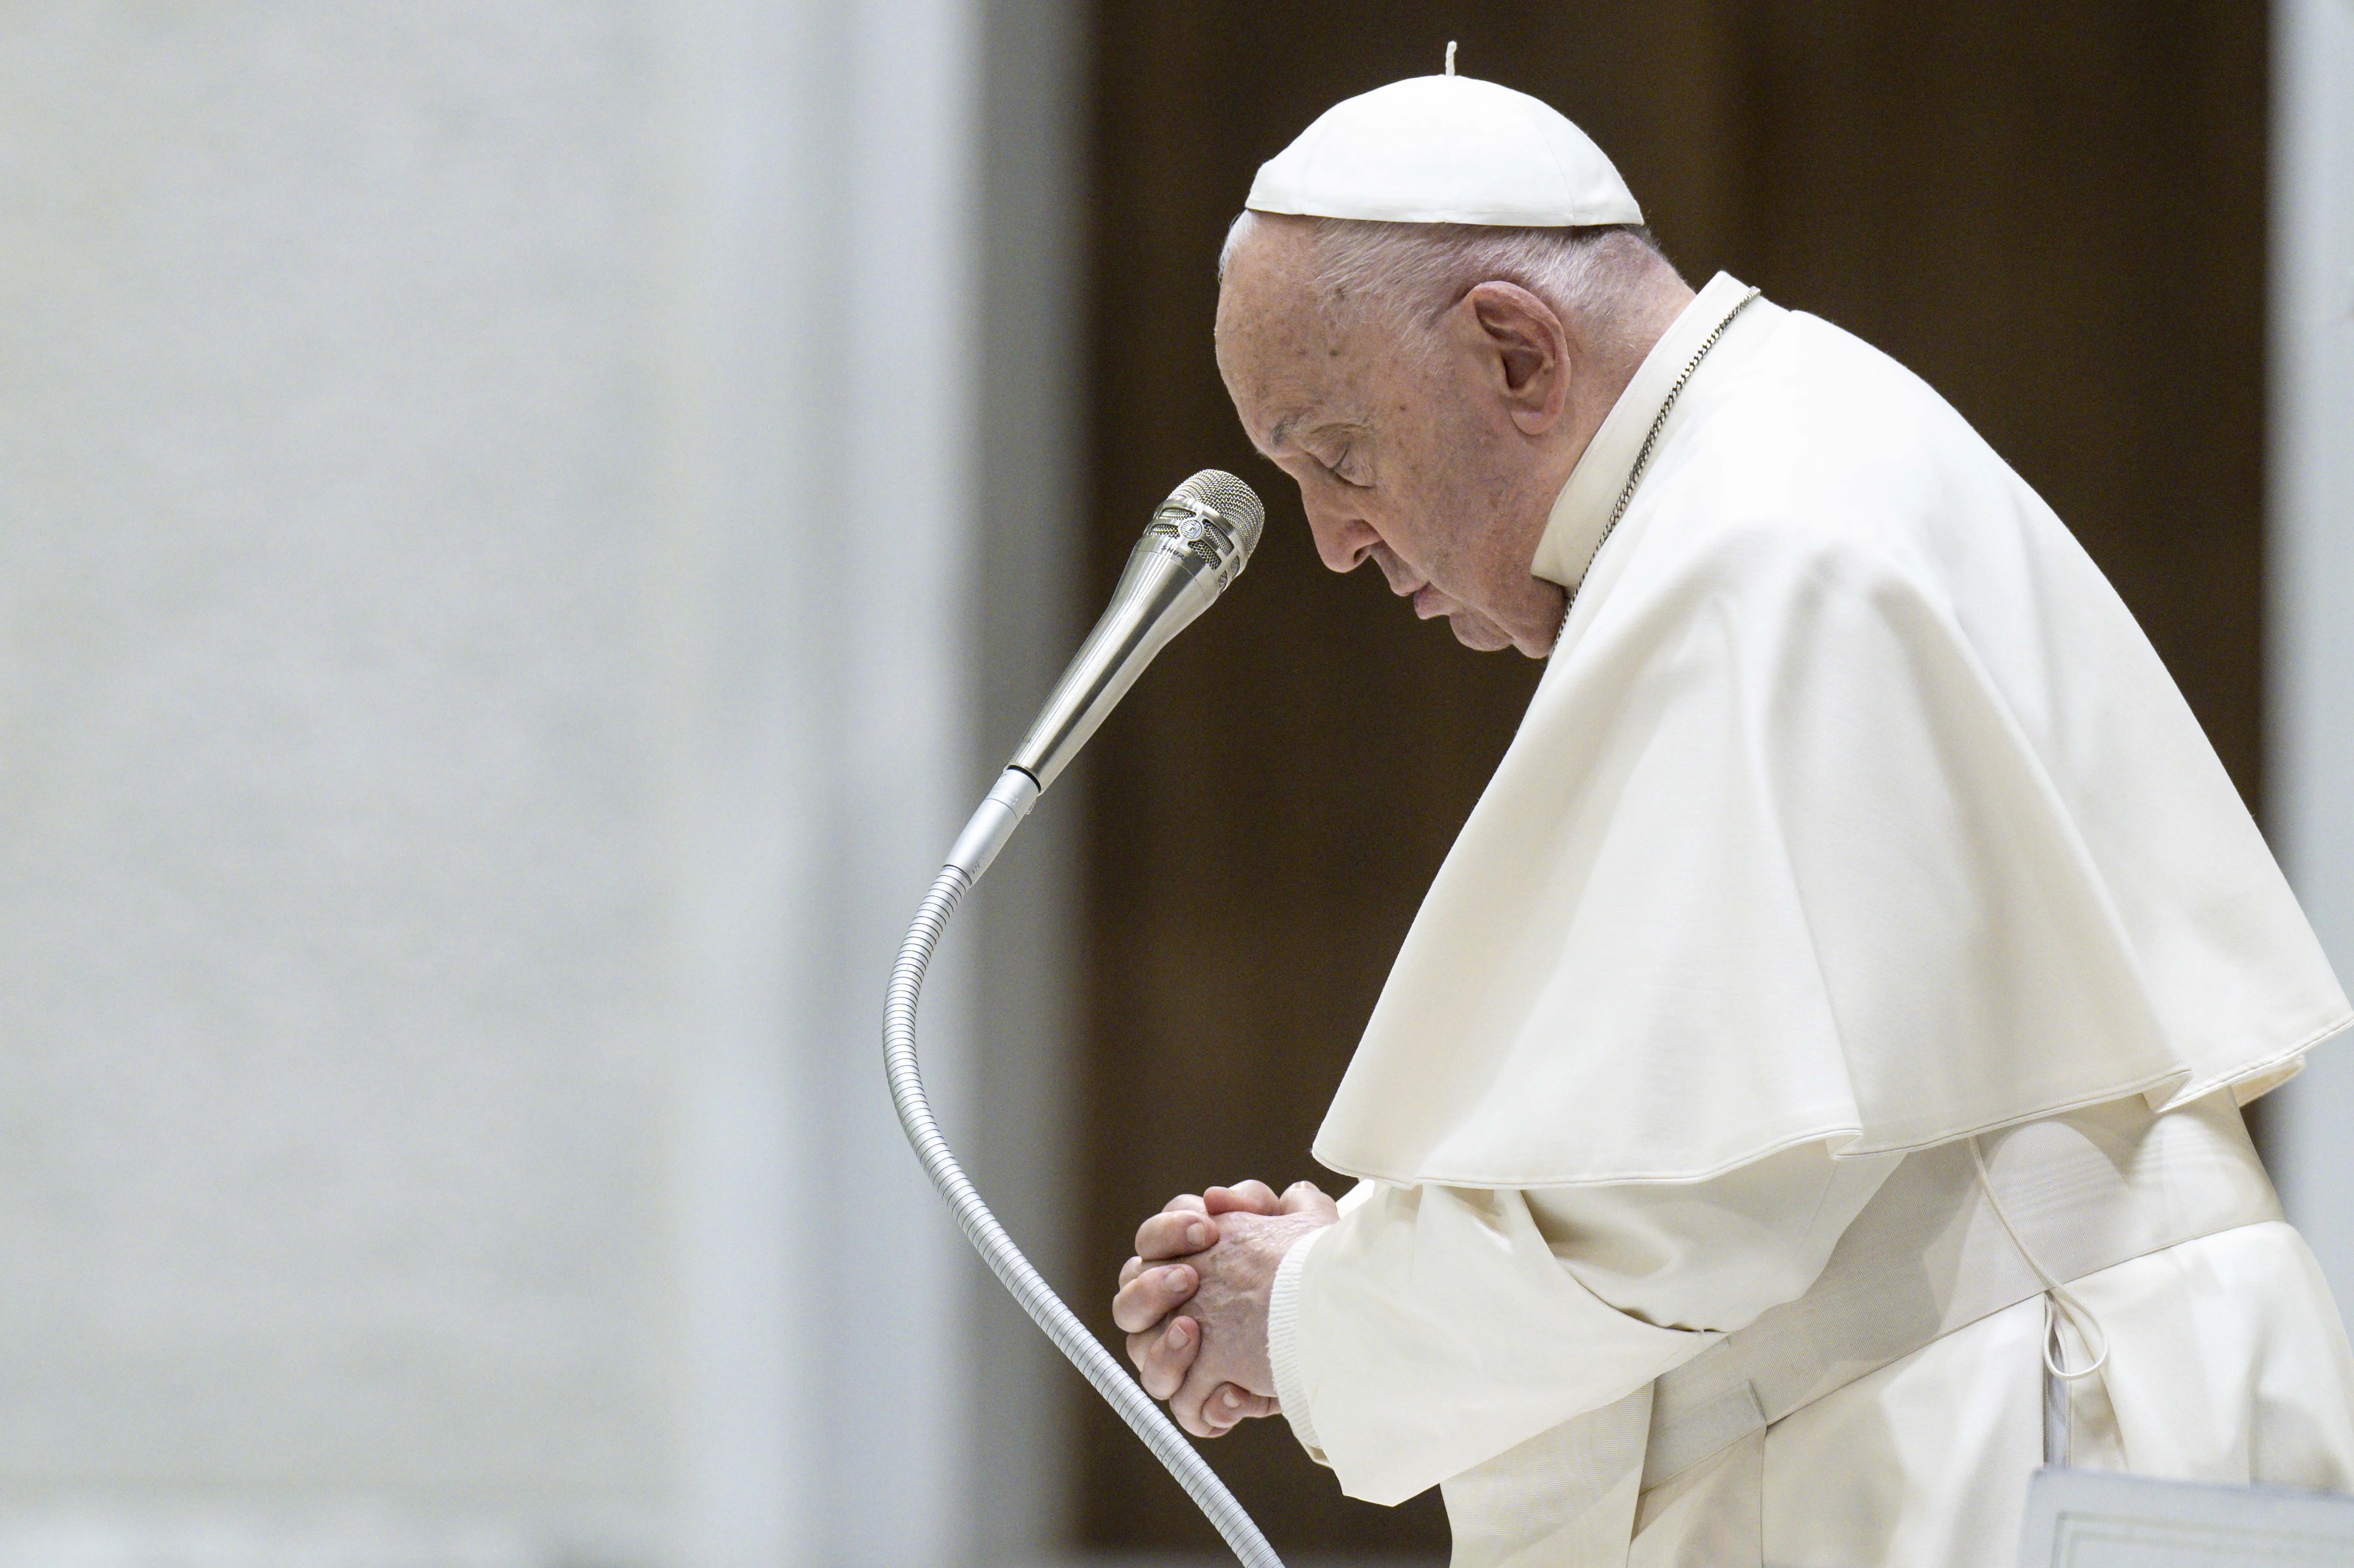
[[1071, 1337]]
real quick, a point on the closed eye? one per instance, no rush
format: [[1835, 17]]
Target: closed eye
[[1333, 468]]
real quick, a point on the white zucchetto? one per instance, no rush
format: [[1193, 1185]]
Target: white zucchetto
[[1444, 149]]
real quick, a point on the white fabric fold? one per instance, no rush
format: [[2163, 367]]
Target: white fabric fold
[[1892, 1412], [1436, 1327], [1853, 807], [1483, 1317]]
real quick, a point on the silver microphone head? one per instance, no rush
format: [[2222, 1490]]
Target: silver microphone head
[[1199, 541], [1215, 514]]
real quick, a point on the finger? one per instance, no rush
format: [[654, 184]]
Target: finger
[[1168, 1235], [1130, 1269], [1152, 1362], [1153, 1296], [1185, 1407], [1144, 1301], [1229, 1406], [1162, 1359], [1249, 1197], [1208, 1406], [1184, 1201], [1303, 1197]]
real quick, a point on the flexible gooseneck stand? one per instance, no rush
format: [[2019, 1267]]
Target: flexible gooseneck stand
[[1197, 544], [992, 825]]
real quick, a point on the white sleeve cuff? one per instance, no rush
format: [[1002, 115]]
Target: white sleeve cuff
[[1438, 1330], [1283, 1341]]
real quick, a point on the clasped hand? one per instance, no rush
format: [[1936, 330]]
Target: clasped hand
[[1193, 1301]]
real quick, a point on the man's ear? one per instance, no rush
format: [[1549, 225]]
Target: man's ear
[[1526, 351]]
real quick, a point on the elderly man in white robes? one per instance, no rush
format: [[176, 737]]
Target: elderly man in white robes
[[1807, 1099]]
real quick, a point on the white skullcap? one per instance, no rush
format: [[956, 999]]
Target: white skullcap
[[1444, 149]]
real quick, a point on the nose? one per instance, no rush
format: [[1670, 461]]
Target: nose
[[1343, 539]]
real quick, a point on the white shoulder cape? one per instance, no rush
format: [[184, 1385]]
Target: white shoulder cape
[[1853, 806]]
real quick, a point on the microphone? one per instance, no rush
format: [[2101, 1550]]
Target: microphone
[[1199, 541]]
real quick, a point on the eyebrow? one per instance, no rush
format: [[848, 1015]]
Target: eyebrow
[[1280, 435]]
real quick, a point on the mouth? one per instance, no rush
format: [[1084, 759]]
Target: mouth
[[1427, 602]]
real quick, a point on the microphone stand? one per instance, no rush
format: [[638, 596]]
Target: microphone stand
[[992, 825], [1197, 543]]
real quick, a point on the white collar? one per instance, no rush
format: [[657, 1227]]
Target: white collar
[[1581, 513]]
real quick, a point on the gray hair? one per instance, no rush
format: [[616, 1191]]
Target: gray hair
[[1405, 275]]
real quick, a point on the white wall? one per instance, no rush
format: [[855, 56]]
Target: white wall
[[2310, 656], [493, 498]]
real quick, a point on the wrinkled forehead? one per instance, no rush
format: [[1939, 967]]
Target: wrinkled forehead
[[1287, 360]]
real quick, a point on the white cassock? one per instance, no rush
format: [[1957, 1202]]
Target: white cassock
[[1859, 940]]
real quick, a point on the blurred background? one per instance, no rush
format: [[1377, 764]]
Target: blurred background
[[524, 526]]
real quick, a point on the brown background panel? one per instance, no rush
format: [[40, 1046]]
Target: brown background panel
[[2052, 211]]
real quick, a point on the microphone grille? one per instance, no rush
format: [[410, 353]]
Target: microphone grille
[[1218, 516]]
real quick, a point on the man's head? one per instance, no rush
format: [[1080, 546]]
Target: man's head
[[1430, 386]]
